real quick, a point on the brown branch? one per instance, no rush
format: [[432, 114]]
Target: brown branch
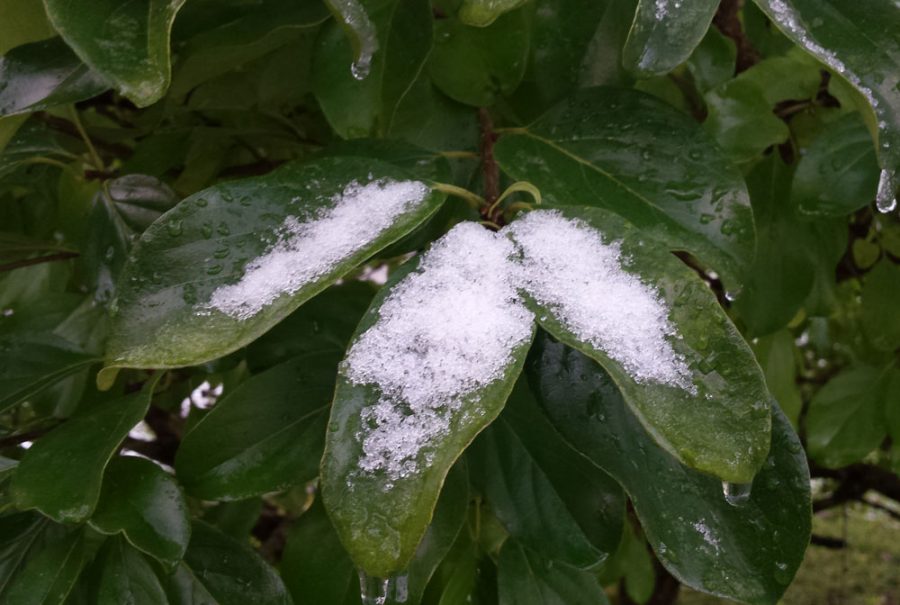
[[728, 21], [491, 172], [27, 262], [827, 542], [853, 483]]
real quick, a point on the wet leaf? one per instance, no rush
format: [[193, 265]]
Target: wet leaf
[[525, 578], [51, 568], [123, 575]]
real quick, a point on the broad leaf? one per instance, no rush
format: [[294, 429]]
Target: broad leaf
[[219, 570], [51, 568], [230, 262], [127, 44], [123, 575], [32, 363], [482, 13], [629, 153], [601, 286], [859, 41], [846, 418], [713, 61], [18, 533], [144, 503], [69, 492], [746, 547], [880, 293], [263, 437], [32, 140], [477, 65], [357, 104], [432, 364], [547, 496], [44, 74], [665, 33], [838, 174], [525, 578]]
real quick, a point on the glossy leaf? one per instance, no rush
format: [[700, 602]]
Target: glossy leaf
[[381, 520], [144, 503], [219, 570], [32, 363], [123, 575], [476, 65], [525, 578], [127, 44], [547, 496], [69, 492], [51, 569], [360, 106], [846, 418], [44, 74], [665, 33], [263, 437], [719, 422], [776, 354], [838, 174], [860, 42], [713, 61], [164, 317], [630, 153], [747, 550]]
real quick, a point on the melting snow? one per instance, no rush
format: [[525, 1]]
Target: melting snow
[[569, 268], [309, 247], [445, 331]]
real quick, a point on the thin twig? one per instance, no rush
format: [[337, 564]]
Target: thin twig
[[490, 170], [27, 262], [92, 151]]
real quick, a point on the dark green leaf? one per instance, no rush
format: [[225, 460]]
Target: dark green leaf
[[665, 33], [838, 174], [630, 153], [547, 496], [51, 569], [481, 13], [123, 575], [69, 492], [127, 44], [18, 533], [880, 318], [476, 65], [713, 62], [846, 418], [219, 570], [633, 564], [382, 509], [145, 504], [859, 41], [776, 354], [360, 106], [32, 140], [214, 243], [265, 436], [700, 393], [44, 74], [747, 550], [525, 578]]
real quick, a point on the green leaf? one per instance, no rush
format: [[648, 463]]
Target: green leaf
[[838, 173], [525, 578], [381, 496], [481, 13], [144, 503], [127, 44], [263, 437], [477, 65], [846, 418], [633, 564], [219, 570], [776, 354], [18, 533], [33, 362], [665, 33], [856, 41], [195, 287], [31, 141], [22, 21], [880, 293], [630, 153], [746, 550], [87, 441], [44, 74], [693, 382], [123, 575], [51, 569], [360, 106], [713, 61], [547, 496]]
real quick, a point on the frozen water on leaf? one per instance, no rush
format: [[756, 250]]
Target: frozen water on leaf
[[886, 196], [308, 247], [568, 267], [383, 591], [355, 17], [706, 533], [445, 331]]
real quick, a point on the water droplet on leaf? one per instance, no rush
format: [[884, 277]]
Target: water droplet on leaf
[[736, 494]]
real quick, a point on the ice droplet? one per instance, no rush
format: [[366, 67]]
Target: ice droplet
[[886, 196], [354, 17], [383, 591], [736, 494]]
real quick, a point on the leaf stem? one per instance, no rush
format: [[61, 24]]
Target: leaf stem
[[92, 151], [474, 200], [27, 262]]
